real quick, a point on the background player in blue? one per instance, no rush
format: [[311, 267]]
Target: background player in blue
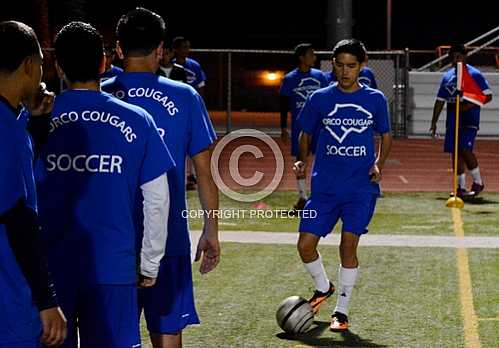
[[169, 69], [110, 69], [99, 154], [197, 79], [345, 117], [295, 89], [468, 125], [182, 118], [366, 77], [28, 301], [195, 74]]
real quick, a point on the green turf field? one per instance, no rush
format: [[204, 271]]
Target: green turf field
[[405, 296], [396, 213]]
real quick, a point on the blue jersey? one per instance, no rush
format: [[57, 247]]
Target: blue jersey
[[181, 116], [195, 74], [298, 86], [19, 318], [98, 153], [345, 125], [448, 92], [112, 72], [366, 77]]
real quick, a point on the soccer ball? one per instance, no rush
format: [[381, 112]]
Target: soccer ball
[[295, 315]]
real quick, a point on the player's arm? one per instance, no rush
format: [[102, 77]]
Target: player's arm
[[21, 224], [304, 141], [156, 209], [208, 246], [437, 109], [385, 146], [284, 108]]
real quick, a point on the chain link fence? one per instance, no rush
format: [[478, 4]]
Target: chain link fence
[[242, 87]]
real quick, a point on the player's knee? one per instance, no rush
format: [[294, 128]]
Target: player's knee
[[306, 249]]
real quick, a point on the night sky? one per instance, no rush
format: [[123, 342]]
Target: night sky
[[277, 25]]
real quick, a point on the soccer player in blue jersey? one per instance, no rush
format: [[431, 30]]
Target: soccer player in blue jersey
[[345, 118], [366, 77], [195, 74], [295, 89], [171, 70], [195, 77], [110, 70], [100, 154], [468, 126], [29, 313], [183, 121]]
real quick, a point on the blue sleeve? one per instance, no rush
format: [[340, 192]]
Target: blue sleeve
[[323, 80], [309, 117], [370, 74], [202, 134], [200, 76], [157, 159], [330, 78], [285, 91], [382, 116], [482, 83], [443, 93], [12, 186]]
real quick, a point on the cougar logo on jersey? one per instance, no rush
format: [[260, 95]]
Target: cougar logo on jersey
[[451, 86], [306, 87], [345, 119]]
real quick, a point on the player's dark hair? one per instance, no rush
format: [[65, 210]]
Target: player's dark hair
[[301, 50], [19, 42], [79, 49], [351, 46], [140, 31], [178, 41], [460, 49]]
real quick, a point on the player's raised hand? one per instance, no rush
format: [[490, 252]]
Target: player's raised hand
[[208, 251], [41, 102], [53, 326], [146, 282], [375, 173], [300, 168]]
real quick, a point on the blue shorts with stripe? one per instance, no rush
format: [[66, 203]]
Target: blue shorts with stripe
[[169, 305], [466, 140], [354, 210]]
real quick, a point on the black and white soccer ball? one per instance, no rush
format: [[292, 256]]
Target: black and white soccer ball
[[295, 315]]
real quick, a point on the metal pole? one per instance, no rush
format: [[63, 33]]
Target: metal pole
[[388, 24], [339, 21], [491, 41], [396, 100], [406, 90], [466, 44], [229, 93]]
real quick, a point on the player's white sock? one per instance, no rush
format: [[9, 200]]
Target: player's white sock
[[318, 273], [302, 188], [461, 180], [475, 174], [346, 279]]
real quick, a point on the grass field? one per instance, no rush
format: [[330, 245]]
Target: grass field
[[405, 296], [396, 213]]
